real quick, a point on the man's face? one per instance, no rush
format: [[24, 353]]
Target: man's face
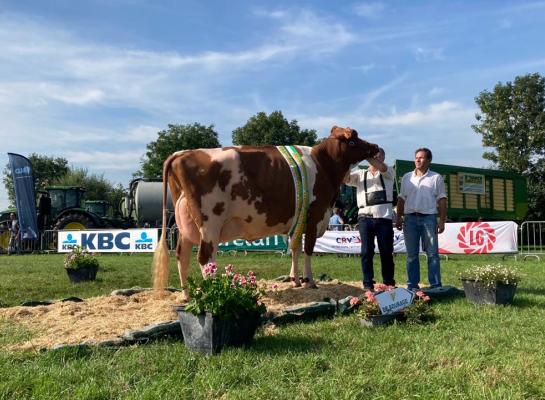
[[379, 156], [12, 216], [421, 161]]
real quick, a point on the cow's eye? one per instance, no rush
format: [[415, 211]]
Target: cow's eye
[[351, 143]]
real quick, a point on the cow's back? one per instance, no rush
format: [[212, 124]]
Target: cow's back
[[246, 191]]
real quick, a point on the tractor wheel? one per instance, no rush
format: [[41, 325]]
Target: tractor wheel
[[4, 240], [75, 222]]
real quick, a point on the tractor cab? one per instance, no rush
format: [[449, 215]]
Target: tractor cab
[[64, 197], [98, 207]]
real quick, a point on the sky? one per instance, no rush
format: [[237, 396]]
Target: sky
[[93, 81]]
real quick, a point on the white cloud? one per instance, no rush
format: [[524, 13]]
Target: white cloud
[[369, 10], [428, 54]]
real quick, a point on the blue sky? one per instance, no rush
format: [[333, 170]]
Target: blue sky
[[94, 81]]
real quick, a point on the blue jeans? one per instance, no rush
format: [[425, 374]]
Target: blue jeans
[[423, 228], [383, 230]]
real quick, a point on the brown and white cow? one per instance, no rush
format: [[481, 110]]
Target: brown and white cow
[[248, 193]]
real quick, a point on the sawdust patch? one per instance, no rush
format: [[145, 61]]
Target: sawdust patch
[[107, 317]]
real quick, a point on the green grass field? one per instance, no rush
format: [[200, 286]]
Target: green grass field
[[475, 352]]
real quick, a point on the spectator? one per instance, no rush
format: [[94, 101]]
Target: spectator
[[14, 235], [336, 222]]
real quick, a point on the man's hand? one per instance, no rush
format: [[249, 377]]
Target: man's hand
[[441, 227], [399, 223]]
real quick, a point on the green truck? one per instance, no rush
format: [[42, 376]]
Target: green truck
[[473, 193]]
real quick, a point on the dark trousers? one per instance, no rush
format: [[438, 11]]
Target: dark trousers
[[382, 229]]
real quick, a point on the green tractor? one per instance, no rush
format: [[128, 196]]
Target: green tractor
[[68, 211]]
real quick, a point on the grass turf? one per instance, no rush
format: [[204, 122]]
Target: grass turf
[[469, 352]]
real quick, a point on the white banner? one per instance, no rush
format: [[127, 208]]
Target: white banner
[[479, 238], [109, 241], [458, 238]]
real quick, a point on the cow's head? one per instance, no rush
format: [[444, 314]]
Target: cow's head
[[350, 148]]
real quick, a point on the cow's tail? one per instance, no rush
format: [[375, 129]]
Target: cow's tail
[[160, 257]]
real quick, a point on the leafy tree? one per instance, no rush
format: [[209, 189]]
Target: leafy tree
[[96, 186], [175, 138], [273, 129], [512, 125], [46, 170]]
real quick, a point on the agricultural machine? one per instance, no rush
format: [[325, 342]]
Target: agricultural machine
[[64, 208]]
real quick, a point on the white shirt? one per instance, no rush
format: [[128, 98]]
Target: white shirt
[[421, 193], [355, 178]]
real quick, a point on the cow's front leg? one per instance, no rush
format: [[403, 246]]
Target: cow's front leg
[[294, 273]]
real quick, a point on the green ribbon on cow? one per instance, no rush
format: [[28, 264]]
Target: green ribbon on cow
[[300, 181]]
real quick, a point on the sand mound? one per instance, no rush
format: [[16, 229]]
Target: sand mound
[[107, 317]]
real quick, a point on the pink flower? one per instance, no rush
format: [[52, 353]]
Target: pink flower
[[229, 268], [426, 298], [370, 297], [243, 281], [354, 301], [380, 287], [250, 273], [274, 286], [420, 293]]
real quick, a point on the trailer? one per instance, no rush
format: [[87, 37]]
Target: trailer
[[473, 193]]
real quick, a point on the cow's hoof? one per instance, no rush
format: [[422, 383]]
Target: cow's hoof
[[295, 282], [185, 296], [309, 283]]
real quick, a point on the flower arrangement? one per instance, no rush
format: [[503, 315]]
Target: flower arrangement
[[490, 275], [228, 295], [418, 312], [80, 258]]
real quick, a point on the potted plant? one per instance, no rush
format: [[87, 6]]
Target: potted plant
[[370, 315], [223, 310], [490, 284], [81, 265]]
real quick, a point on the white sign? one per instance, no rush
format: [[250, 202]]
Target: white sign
[[391, 301], [109, 241], [471, 183], [349, 242], [479, 238]]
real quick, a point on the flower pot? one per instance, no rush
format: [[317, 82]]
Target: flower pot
[[382, 319], [208, 334], [82, 274], [477, 293]]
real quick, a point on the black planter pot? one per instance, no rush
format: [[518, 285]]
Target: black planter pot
[[382, 319], [82, 274], [498, 294], [209, 334]]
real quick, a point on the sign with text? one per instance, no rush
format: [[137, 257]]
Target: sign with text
[[270, 243], [471, 183], [109, 241], [394, 300]]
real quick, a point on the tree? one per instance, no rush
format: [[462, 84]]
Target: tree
[[175, 138], [273, 129], [46, 170], [512, 124], [96, 186]]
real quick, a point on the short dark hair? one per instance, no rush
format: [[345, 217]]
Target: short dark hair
[[429, 156]]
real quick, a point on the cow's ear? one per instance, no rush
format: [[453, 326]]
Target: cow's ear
[[339, 133], [334, 131]]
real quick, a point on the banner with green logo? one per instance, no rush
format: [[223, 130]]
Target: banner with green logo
[[270, 243]]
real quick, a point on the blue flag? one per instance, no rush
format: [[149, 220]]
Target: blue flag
[[23, 183]]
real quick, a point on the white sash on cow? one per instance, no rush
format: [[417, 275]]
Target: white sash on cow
[[300, 181]]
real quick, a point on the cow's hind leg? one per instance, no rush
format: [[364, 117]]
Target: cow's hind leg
[[183, 256], [208, 246], [294, 273]]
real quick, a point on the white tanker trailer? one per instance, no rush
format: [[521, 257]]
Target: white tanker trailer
[[144, 204]]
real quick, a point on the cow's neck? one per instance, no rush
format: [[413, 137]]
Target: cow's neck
[[335, 170]]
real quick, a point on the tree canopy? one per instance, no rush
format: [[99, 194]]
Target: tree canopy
[[96, 186], [512, 125], [46, 169], [272, 129], [175, 138]]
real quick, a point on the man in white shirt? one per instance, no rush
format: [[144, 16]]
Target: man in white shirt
[[374, 195], [422, 194]]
